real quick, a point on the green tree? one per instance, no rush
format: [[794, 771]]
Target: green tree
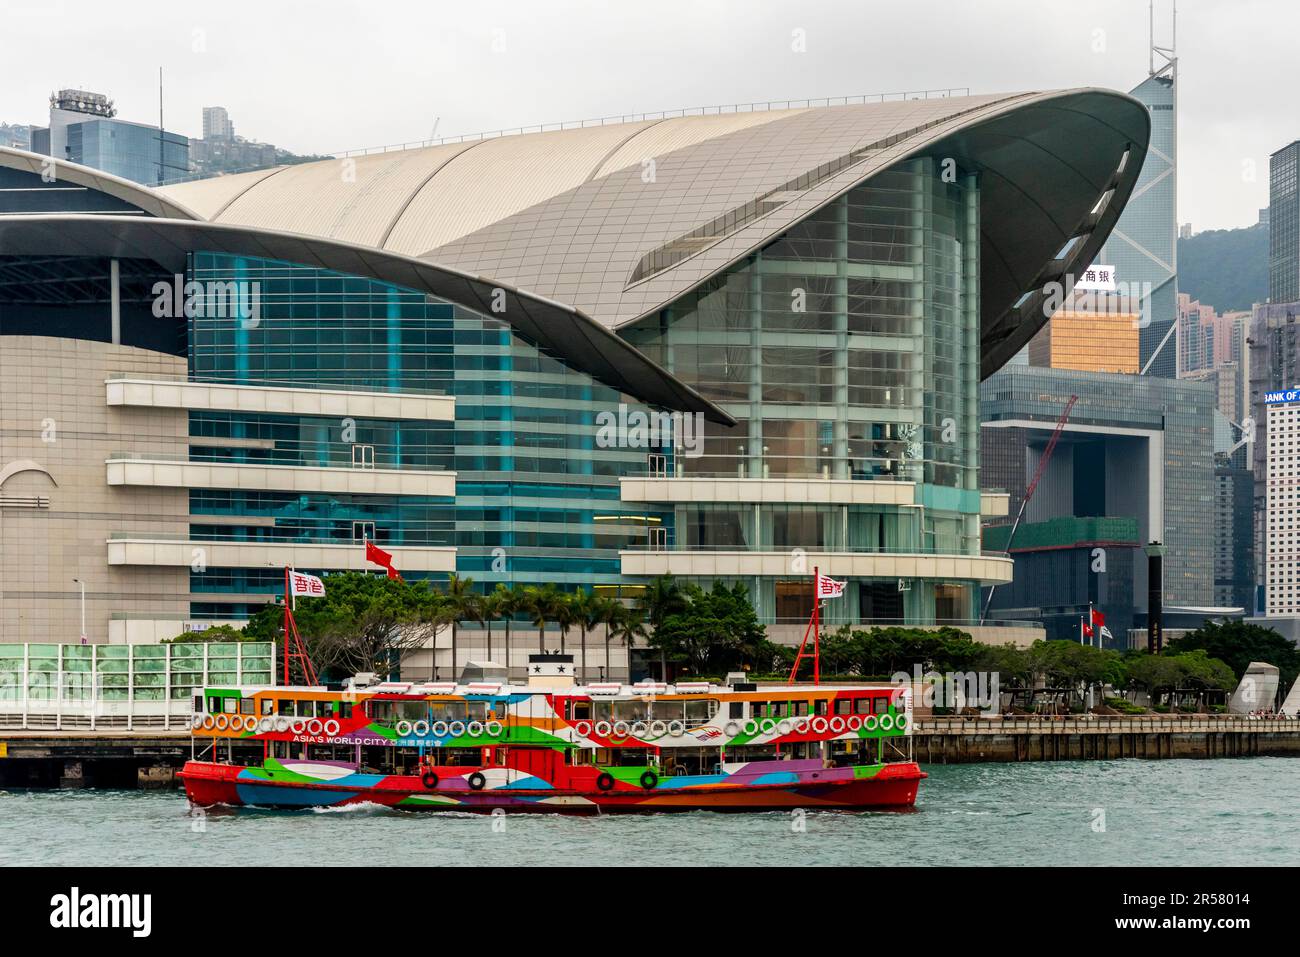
[[222, 633], [543, 604], [509, 603], [626, 625], [712, 632], [462, 603], [1238, 643]]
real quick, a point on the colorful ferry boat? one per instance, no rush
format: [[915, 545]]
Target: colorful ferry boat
[[554, 746]]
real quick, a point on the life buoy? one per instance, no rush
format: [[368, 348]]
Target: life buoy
[[801, 725], [855, 723], [640, 729], [209, 722], [837, 724], [223, 722], [314, 726], [474, 729], [819, 725], [767, 725], [494, 728], [429, 779], [783, 727], [266, 725], [583, 729], [603, 728], [649, 780], [439, 729], [250, 723], [298, 726], [281, 725], [676, 728], [420, 729], [621, 729], [886, 722], [331, 727], [751, 727], [658, 728], [871, 722], [605, 781], [456, 729], [731, 729], [900, 721], [477, 782]]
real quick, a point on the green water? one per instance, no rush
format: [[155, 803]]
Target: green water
[[1239, 811]]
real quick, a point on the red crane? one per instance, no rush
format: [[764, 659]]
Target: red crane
[[1033, 484]]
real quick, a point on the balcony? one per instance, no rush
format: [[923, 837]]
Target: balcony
[[986, 569], [816, 491], [200, 395], [155, 471], [159, 551]]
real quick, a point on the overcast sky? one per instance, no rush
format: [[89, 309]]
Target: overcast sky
[[329, 75]]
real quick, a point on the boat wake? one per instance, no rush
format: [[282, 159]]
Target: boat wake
[[361, 807]]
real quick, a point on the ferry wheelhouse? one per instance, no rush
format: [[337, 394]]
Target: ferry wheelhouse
[[555, 746]]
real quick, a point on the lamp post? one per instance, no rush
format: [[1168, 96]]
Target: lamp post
[[78, 581], [1155, 597]]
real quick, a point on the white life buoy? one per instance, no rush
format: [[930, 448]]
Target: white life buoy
[[331, 727], [886, 722], [784, 727], [266, 725], [731, 729], [402, 727], [603, 729], [855, 723], [767, 725], [751, 727], [474, 728], [209, 722], [819, 725], [314, 726], [871, 722], [298, 726], [658, 728], [420, 729], [676, 728], [621, 729], [439, 729], [250, 723], [640, 729], [223, 722], [456, 729], [837, 724], [281, 724], [900, 721], [801, 724], [582, 728], [494, 728]]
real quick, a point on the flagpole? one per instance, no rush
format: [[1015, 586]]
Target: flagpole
[[817, 626], [286, 626]]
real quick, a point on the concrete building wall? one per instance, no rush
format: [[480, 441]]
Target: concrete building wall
[[56, 431]]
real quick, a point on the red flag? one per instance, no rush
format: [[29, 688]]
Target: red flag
[[377, 556], [1098, 618], [1087, 630]]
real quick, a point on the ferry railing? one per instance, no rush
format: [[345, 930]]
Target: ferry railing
[[1102, 723]]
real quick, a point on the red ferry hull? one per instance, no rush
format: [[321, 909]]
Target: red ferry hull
[[769, 788]]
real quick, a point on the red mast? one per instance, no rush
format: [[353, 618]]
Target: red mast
[[297, 649], [814, 626]]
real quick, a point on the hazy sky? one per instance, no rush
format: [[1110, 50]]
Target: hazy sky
[[329, 75]]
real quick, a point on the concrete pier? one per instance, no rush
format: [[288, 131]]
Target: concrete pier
[[961, 740]]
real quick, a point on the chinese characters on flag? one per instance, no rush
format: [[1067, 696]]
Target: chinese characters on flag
[[829, 587], [310, 585]]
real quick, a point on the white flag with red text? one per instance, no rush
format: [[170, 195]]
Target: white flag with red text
[[309, 585], [829, 587]]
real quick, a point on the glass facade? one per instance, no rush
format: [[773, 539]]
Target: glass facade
[[847, 348], [1284, 224], [128, 150]]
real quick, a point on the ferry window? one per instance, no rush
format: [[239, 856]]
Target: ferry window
[[247, 706], [214, 704], [447, 711], [701, 710], [631, 710], [801, 708], [306, 709], [879, 705], [346, 709], [198, 702], [228, 705], [735, 709], [843, 706], [284, 706], [819, 706], [581, 710], [268, 706], [781, 709], [900, 703], [862, 706]]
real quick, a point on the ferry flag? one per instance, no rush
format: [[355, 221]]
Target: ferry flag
[[309, 585], [377, 556], [829, 587]]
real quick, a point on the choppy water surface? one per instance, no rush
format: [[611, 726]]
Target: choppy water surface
[[1101, 812]]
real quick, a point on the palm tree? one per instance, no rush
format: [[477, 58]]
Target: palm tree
[[661, 598], [510, 601], [606, 611], [585, 608], [465, 604], [543, 605], [490, 609], [628, 626]]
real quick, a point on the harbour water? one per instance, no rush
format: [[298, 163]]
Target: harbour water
[[1171, 812]]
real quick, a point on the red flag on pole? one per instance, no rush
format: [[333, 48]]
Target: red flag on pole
[[377, 556]]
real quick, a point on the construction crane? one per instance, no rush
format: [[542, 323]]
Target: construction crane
[[1029, 491]]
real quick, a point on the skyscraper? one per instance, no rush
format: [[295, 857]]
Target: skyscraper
[[216, 124], [1284, 224]]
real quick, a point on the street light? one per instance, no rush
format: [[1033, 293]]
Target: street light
[[78, 581]]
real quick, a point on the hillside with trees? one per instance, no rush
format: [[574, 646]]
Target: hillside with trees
[[1225, 268]]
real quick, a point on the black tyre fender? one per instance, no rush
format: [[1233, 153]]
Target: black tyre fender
[[477, 782], [429, 779], [605, 781], [649, 780]]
